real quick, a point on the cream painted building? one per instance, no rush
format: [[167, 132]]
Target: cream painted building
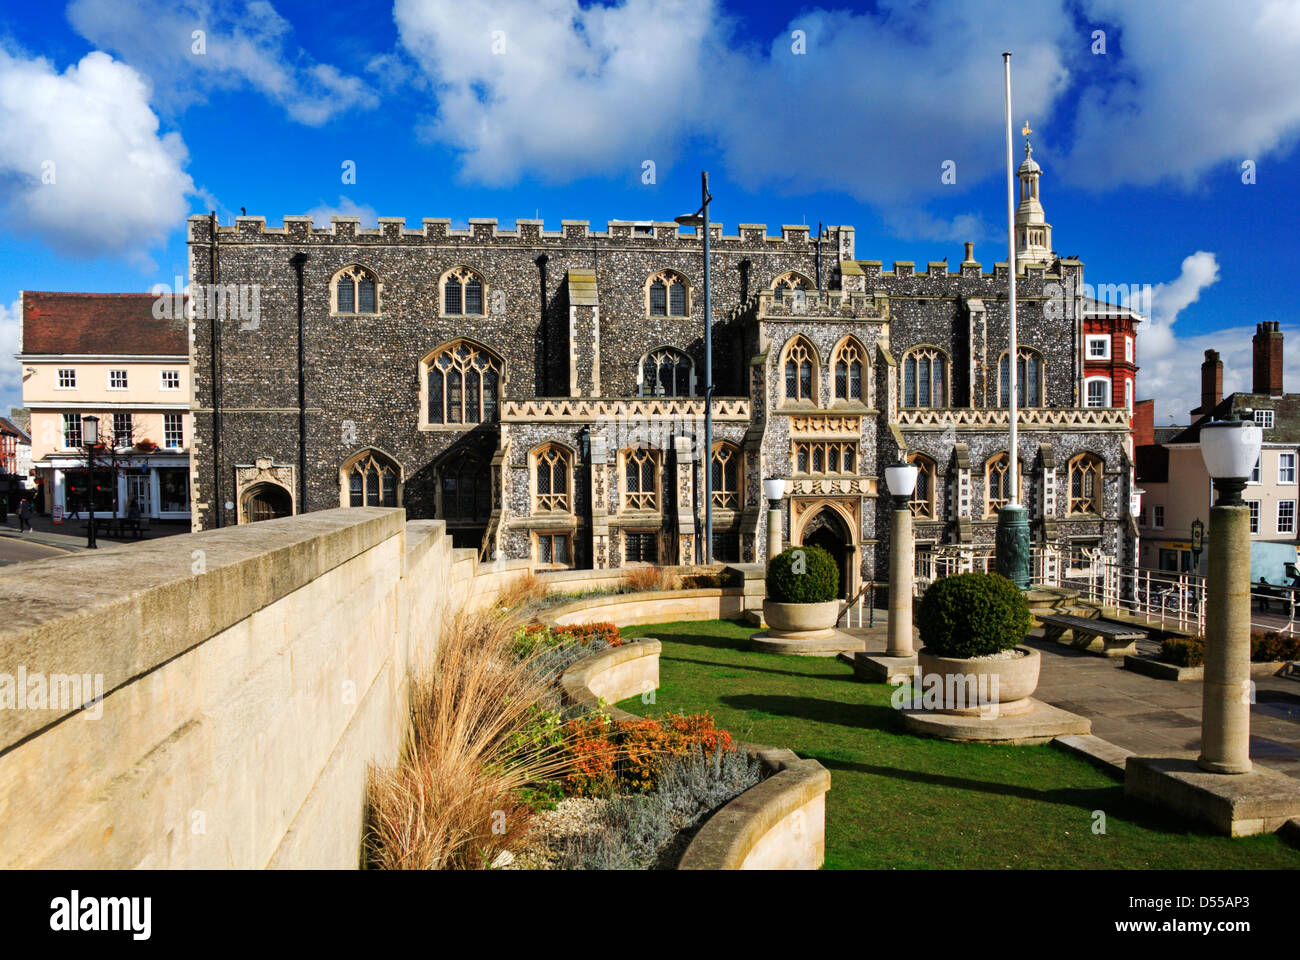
[[1176, 486], [106, 355]]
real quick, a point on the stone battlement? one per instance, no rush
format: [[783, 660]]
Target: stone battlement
[[485, 230]]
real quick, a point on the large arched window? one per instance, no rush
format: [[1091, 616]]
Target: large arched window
[[640, 480], [848, 369], [1085, 484], [463, 384], [923, 497], [370, 479], [1000, 487], [462, 293], [799, 366], [668, 295], [727, 475], [465, 487], [667, 372], [1029, 379], [925, 377], [787, 284], [355, 290], [552, 479]]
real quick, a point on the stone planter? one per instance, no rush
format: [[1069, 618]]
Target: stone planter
[[801, 621], [968, 685]]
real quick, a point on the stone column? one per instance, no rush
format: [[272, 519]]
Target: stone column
[[1225, 703], [901, 572], [773, 528]]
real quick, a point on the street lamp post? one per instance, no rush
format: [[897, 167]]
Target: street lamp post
[[900, 478], [700, 220], [773, 490], [1230, 449], [90, 437]]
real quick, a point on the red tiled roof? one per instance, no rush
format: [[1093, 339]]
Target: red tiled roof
[[99, 323]]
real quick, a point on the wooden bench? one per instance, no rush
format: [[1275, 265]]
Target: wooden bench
[[1095, 636]]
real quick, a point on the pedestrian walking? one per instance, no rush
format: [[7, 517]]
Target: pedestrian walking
[[133, 514], [24, 516]]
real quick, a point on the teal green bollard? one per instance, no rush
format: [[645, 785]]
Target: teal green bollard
[[1012, 556]]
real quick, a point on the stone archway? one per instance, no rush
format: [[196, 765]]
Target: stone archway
[[266, 501], [827, 529]]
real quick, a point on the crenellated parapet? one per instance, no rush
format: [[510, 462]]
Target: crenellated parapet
[[299, 229]]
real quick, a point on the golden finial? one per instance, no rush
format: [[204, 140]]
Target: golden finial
[[1026, 131]]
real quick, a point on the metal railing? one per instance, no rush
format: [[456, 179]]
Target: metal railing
[[862, 604], [1158, 598]]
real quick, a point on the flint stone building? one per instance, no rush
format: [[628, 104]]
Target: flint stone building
[[542, 391]]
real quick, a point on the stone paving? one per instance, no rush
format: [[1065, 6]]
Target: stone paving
[[1150, 716]]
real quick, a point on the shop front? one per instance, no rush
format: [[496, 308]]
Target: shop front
[[159, 484]]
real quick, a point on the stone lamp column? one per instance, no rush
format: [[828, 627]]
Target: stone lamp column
[[774, 491], [900, 478], [1230, 449]]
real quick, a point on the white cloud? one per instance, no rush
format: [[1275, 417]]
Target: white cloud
[[11, 382], [243, 44], [346, 207], [82, 163], [1197, 84]]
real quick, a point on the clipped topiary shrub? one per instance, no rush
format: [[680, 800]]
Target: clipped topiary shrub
[[1183, 651], [803, 575], [972, 615]]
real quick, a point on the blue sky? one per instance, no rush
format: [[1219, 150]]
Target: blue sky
[[839, 113]]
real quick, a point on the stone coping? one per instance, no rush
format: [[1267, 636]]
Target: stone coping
[[552, 617], [1161, 670], [121, 613], [731, 834]]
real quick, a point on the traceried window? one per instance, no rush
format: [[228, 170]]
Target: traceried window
[[465, 487], [1000, 485], [668, 295], [848, 365], [666, 372], [726, 476], [789, 286], [925, 378], [551, 469], [923, 497], [464, 384], [462, 293], [825, 456], [640, 480], [800, 369], [1085, 484], [1029, 379], [372, 481], [355, 291]]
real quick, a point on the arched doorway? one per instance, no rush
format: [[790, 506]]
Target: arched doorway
[[266, 501], [827, 529]]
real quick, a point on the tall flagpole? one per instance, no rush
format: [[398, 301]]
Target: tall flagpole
[[1012, 358]]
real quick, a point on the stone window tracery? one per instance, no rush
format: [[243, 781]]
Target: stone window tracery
[[463, 384]]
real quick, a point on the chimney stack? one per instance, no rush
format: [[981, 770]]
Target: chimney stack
[[1268, 359], [970, 252], [1211, 382]]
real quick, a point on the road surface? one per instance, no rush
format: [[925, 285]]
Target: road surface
[[16, 551]]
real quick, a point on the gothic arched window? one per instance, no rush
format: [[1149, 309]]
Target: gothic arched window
[[799, 365], [640, 480], [925, 377], [1001, 487], [552, 468], [848, 366], [923, 497], [372, 480], [789, 283], [1085, 484], [355, 290], [1029, 379], [667, 372], [462, 293], [463, 383], [668, 295], [727, 475]]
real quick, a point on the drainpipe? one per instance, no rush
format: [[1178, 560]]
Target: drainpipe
[[214, 345], [298, 260]]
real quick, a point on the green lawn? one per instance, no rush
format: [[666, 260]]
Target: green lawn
[[900, 801]]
